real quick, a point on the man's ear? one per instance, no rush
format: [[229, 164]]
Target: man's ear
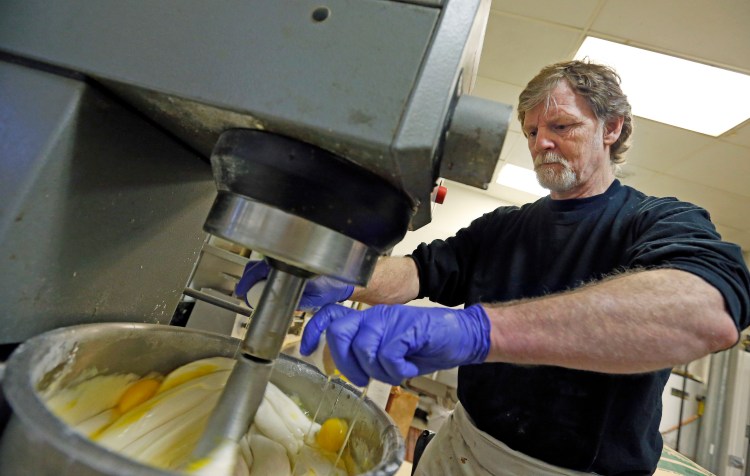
[[612, 130]]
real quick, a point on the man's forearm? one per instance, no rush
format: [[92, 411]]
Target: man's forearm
[[394, 281], [636, 322]]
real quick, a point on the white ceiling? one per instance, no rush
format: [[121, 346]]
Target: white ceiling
[[524, 36]]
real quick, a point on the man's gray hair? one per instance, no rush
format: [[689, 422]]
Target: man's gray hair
[[598, 84]]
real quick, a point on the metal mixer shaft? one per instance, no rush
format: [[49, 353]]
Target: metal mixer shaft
[[310, 213], [243, 393]]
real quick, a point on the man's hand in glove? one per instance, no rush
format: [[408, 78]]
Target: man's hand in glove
[[394, 342], [318, 291]]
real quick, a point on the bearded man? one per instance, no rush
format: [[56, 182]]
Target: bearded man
[[576, 306]]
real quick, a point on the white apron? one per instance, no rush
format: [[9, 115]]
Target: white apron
[[461, 449]]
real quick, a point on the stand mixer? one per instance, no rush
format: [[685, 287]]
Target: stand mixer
[[327, 126]]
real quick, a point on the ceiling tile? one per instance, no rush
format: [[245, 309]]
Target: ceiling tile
[[726, 231], [509, 144], [515, 48], [720, 165], [639, 178], [523, 37], [565, 12], [488, 88], [519, 153], [657, 146], [739, 237], [725, 208], [715, 31], [739, 136]]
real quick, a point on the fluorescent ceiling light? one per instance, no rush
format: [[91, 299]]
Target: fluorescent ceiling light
[[520, 178], [675, 91]]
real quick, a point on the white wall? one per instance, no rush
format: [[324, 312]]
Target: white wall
[[462, 204]]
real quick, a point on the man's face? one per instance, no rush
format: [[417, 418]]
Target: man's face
[[569, 145]]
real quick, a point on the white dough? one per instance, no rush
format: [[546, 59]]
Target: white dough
[[163, 430], [271, 425], [89, 398], [269, 457]]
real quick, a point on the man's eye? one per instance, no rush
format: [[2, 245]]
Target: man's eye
[[563, 127], [531, 134]]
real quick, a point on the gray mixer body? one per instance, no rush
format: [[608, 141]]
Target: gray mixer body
[[327, 126], [109, 110]]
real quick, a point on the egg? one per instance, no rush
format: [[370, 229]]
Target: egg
[[138, 393], [332, 434], [194, 370], [90, 397]]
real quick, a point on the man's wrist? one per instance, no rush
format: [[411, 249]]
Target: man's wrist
[[479, 328], [346, 293]]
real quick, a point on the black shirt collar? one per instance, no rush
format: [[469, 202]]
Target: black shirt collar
[[573, 204]]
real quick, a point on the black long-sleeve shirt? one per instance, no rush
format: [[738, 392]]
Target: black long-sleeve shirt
[[582, 420]]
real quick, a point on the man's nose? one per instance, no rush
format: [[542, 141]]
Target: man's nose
[[543, 140]]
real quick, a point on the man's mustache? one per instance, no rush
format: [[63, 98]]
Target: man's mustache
[[549, 158]]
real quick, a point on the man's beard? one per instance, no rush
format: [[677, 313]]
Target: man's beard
[[550, 177]]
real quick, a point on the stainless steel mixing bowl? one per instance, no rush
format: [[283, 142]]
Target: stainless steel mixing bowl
[[36, 442]]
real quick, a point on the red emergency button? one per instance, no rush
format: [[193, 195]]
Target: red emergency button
[[439, 193]]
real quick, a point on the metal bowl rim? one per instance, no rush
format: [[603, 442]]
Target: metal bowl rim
[[27, 405]]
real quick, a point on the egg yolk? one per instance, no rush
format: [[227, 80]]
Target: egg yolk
[[137, 393], [332, 434], [178, 378]]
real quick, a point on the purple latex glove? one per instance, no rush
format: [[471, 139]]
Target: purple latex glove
[[318, 291], [394, 342]]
